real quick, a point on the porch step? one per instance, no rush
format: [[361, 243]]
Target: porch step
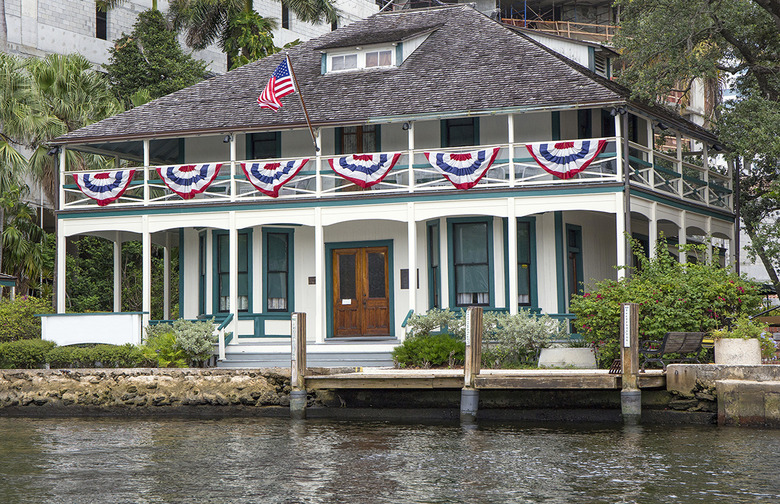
[[248, 355]]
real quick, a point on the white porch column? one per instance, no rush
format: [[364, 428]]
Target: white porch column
[[146, 269], [147, 155], [167, 277], [444, 264], [117, 271], [618, 148], [682, 237], [233, 264], [319, 272], [651, 153], [652, 238], [511, 238], [709, 240], [61, 254], [410, 141], [412, 239], [620, 239]]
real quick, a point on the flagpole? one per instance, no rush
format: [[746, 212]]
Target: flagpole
[[300, 95]]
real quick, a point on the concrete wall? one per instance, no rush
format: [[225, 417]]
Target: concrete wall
[[40, 27]]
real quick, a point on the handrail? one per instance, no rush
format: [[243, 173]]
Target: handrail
[[406, 319], [223, 340]]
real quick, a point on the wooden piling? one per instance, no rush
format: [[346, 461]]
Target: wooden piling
[[630, 395], [469, 397], [298, 366]]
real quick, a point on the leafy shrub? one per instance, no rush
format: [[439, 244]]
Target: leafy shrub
[[195, 339], [431, 350], [24, 354], [516, 340], [18, 320], [446, 321], [161, 350], [158, 329], [671, 296]]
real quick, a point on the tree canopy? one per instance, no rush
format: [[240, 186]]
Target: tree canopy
[[666, 44], [151, 59]]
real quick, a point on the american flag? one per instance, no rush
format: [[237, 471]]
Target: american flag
[[280, 84]]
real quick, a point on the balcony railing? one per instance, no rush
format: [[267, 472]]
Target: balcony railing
[[570, 29], [412, 173]]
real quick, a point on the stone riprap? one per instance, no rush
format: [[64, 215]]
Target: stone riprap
[[143, 391]]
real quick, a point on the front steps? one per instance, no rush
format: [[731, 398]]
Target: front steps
[[353, 353]]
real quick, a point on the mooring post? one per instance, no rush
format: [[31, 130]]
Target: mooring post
[[469, 395], [630, 395], [298, 366]]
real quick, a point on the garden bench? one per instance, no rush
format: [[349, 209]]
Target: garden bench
[[673, 343]]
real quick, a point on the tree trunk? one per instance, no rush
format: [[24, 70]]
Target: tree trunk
[[762, 254]]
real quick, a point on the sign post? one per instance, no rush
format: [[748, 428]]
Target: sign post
[[469, 395], [630, 395], [298, 366]]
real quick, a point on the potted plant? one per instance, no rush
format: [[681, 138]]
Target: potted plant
[[739, 345]]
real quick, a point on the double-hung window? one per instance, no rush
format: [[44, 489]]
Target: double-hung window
[[277, 245], [223, 271], [471, 262]]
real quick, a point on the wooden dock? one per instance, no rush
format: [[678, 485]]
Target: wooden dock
[[486, 379]]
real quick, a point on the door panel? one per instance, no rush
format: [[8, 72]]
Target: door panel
[[361, 292], [376, 317], [346, 303]]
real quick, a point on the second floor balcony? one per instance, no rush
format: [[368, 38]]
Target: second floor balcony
[[684, 169]]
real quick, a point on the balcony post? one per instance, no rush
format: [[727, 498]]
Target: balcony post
[[62, 168], [510, 125], [318, 165], [410, 141], [650, 154], [618, 147], [681, 185], [147, 156], [682, 237], [233, 193]]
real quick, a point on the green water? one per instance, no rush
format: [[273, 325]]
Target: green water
[[317, 461]]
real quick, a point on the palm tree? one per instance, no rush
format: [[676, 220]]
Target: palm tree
[[41, 99], [72, 95], [225, 21]]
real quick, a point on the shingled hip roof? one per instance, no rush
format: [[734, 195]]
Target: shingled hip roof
[[469, 63]]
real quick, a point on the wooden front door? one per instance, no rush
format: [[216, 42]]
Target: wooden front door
[[361, 292]]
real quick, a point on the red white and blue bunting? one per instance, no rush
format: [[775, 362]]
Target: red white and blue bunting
[[565, 159], [268, 178], [104, 187], [365, 170], [189, 180], [463, 170]]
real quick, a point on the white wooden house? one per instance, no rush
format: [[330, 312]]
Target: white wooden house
[[430, 89]]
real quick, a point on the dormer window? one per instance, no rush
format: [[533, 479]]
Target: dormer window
[[346, 62], [379, 58], [361, 58]]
